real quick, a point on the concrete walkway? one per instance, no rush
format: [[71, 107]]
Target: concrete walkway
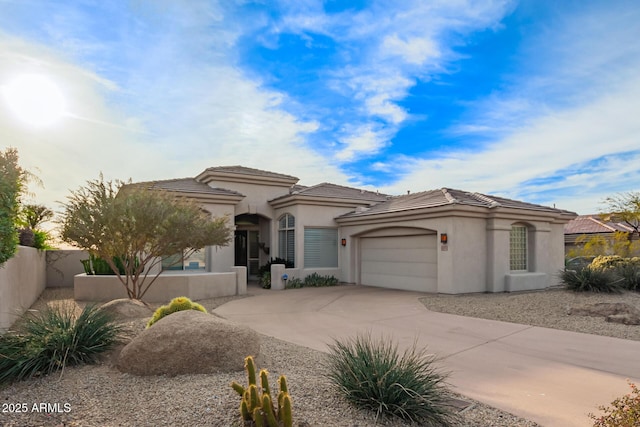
[[549, 376]]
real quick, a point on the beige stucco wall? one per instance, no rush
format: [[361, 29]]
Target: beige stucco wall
[[310, 216], [220, 258], [461, 263], [63, 265], [22, 280], [196, 286], [476, 258]]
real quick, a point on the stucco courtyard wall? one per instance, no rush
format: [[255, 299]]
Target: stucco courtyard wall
[[63, 265], [195, 285], [22, 280]]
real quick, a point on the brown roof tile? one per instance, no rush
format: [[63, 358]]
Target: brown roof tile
[[588, 224], [249, 171], [187, 185], [341, 192], [444, 197]]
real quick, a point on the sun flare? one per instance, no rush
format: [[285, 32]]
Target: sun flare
[[34, 99]]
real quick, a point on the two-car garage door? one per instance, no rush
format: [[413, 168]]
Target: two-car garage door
[[406, 262]]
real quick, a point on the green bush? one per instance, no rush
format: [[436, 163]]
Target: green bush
[[312, 280], [55, 338], [607, 262], [176, 304], [41, 240], [12, 184], [373, 375], [264, 272], [625, 411], [588, 279]]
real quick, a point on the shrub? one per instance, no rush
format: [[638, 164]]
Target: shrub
[[607, 262], [312, 280], [588, 279], [55, 338], [373, 375], [264, 272], [176, 304], [625, 411], [41, 240], [629, 273], [26, 237]]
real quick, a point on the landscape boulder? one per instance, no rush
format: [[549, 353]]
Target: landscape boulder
[[189, 342], [126, 309], [604, 309], [625, 319]]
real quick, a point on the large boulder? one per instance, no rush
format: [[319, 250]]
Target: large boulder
[[125, 309], [189, 342]]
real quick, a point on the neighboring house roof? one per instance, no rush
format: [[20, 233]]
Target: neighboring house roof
[[190, 186], [592, 224], [447, 197]]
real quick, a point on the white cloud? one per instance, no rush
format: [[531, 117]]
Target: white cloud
[[548, 145], [359, 142], [414, 51]]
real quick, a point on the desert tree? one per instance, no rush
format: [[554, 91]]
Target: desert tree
[[623, 207], [33, 215], [136, 227]]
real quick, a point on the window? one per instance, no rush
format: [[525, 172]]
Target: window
[[287, 238], [320, 247], [518, 248], [178, 261]]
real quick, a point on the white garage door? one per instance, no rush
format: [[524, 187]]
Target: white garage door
[[400, 262]]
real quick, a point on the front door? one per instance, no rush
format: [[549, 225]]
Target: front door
[[247, 251]]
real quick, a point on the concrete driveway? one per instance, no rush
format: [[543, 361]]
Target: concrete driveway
[[549, 376]]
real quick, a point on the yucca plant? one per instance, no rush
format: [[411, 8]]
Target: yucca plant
[[55, 338], [588, 279], [374, 375]]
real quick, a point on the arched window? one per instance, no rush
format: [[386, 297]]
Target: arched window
[[287, 238], [518, 246]]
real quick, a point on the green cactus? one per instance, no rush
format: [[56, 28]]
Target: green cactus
[[176, 304], [256, 407]]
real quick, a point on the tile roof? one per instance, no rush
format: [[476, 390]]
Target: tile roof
[[444, 197], [340, 192], [586, 224], [187, 185], [242, 170]]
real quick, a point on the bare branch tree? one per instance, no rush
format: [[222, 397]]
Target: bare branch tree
[[138, 227]]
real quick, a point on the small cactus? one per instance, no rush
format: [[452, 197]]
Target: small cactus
[[176, 304], [257, 406]]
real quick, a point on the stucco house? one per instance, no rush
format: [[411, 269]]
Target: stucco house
[[446, 241], [587, 226]]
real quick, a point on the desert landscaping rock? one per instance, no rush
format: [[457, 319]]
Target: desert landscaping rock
[[625, 319], [604, 309], [189, 342], [125, 309]]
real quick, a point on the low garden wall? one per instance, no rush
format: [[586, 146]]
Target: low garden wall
[[169, 285], [63, 265], [22, 280]]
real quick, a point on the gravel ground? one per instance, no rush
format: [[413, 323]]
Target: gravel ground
[[541, 308], [99, 395]]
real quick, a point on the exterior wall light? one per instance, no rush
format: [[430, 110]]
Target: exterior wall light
[[443, 238], [343, 242]]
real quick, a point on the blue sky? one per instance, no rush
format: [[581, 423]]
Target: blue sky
[[535, 100]]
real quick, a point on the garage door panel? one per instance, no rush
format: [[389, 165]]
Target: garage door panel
[[400, 269], [419, 284], [402, 255], [403, 242], [400, 262]]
